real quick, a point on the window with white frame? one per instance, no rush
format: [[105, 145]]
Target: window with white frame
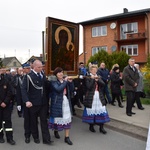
[[129, 28], [99, 31], [97, 49], [131, 50]]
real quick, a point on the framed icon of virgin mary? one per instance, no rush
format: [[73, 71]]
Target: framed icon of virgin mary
[[61, 46]]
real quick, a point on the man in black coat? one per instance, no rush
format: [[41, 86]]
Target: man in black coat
[[17, 82], [26, 113], [130, 77], [5, 112], [34, 96]]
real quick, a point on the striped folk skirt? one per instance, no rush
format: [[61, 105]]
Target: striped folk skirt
[[97, 114], [60, 123]]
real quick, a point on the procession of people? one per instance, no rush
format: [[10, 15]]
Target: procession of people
[[50, 103]]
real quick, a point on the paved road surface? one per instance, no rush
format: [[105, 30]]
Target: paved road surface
[[82, 139]]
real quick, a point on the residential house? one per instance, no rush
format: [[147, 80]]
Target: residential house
[[11, 62], [34, 58], [127, 31]]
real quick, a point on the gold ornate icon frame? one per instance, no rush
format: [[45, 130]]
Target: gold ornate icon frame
[[61, 46]]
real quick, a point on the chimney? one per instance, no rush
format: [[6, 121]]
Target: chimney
[[125, 10]]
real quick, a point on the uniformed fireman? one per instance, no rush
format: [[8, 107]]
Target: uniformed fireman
[[5, 111]]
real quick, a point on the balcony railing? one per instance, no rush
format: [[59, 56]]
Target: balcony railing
[[130, 35]]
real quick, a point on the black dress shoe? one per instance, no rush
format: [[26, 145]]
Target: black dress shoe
[[56, 135], [91, 128], [142, 108], [19, 115], [67, 140], [79, 105], [2, 140], [129, 114], [11, 142], [37, 141], [121, 106], [27, 140], [113, 104], [102, 130], [48, 142], [133, 113]]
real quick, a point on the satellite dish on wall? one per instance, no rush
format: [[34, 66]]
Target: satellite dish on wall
[[113, 48], [113, 25]]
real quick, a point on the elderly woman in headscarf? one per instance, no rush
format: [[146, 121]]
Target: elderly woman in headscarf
[[60, 108]]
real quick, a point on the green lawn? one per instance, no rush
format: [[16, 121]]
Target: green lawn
[[147, 91], [143, 100]]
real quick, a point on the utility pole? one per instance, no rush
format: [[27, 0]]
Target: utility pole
[[15, 52], [43, 52], [29, 53]]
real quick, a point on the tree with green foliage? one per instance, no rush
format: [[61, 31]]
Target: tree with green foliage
[[117, 57], [146, 71], [120, 58], [148, 62]]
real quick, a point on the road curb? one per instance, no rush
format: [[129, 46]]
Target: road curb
[[122, 127]]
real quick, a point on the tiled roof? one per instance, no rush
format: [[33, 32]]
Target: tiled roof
[[125, 14], [34, 57], [7, 60]]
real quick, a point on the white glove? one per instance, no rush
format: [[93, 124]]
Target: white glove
[[81, 76], [19, 108], [75, 93]]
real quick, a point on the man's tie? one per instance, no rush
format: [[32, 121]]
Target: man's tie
[[133, 68], [39, 76]]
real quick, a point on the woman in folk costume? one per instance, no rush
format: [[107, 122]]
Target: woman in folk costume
[[60, 108], [95, 111]]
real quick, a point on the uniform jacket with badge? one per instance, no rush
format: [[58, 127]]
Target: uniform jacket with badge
[[130, 77], [5, 91], [33, 89]]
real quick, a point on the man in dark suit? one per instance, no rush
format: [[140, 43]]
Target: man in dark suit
[[105, 75], [34, 96], [26, 113], [130, 77], [17, 81]]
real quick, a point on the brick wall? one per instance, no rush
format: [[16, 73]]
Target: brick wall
[[110, 39]]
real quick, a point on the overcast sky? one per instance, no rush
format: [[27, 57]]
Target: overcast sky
[[22, 21]]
